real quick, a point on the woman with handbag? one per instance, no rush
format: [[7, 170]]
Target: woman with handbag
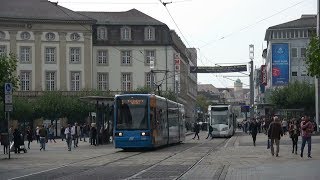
[[294, 131]]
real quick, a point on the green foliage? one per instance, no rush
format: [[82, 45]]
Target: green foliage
[[313, 57], [23, 109], [202, 103], [144, 90], [294, 96], [170, 95], [8, 67], [76, 110]]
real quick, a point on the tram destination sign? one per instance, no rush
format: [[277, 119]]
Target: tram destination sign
[[217, 69]]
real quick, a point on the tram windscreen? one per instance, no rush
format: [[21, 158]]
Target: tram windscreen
[[132, 113], [219, 115]]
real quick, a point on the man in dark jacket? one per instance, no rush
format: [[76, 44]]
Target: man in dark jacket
[[254, 128], [196, 130], [274, 133]]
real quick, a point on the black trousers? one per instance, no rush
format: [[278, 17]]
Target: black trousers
[[294, 138]]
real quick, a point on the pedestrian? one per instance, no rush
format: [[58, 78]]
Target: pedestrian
[[43, 134], [68, 133], [274, 133], [93, 132], [5, 142], [294, 131], [306, 131], [284, 126], [37, 134], [17, 140], [51, 133], [196, 130], [62, 131], [29, 136], [76, 133], [210, 132], [254, 127]]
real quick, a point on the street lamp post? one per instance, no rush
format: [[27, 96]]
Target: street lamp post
[[251, 56], [151, 74]]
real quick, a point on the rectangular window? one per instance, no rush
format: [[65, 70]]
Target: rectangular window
[[3, 51], [102, 57], [103, 81], [303, 52], [125, 57], [294, 52], [148, 79], [50, 54], [294, 73], [125, 33], [75, 81], [75, 55], [126, 81], [51, 81], [25, 80], [25, 54], [150, 55]]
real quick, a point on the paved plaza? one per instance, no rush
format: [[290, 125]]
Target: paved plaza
[[236, 159]]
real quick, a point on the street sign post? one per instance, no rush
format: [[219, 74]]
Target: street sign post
[[8, 88]]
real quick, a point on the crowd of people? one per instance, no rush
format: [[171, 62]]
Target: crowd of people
[[275, 128], [72, 134]]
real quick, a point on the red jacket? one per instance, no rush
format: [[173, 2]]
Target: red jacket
[[306, 129]]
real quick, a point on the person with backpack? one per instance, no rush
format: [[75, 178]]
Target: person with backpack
[[306, 131], [210, 132]]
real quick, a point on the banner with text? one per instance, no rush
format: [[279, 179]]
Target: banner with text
[[280, 64]]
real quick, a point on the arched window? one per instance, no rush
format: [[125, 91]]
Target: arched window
[[149, 33], [125, 33], [102, 33]]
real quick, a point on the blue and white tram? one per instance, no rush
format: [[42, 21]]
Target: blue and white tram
[[147, 121], [222, 119]]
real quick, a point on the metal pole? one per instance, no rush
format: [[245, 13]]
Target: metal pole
[[8, 116], [317, 79], [251, 55]]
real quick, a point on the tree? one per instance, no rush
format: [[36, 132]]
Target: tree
[[296, 95], [313, 57], [202, 103], [8, 67]]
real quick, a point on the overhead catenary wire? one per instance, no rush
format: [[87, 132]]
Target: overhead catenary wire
[[253, 24]]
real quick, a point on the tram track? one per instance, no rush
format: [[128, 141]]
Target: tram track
[[88, 165], [136, 176]]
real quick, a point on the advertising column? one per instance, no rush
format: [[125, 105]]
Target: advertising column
[[280, 64]]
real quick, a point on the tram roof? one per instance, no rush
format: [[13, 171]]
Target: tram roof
[[98, 99]]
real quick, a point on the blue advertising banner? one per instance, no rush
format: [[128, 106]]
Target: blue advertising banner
[[280, 64]]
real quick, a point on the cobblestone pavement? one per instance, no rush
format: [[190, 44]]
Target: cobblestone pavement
[[237, 159], [240, 160]]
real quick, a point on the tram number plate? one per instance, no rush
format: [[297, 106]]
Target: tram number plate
[[131, 138]]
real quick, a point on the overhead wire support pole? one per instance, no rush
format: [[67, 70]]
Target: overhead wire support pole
[[251, 56]]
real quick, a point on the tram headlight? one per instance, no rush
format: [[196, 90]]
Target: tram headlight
[[119, 134], [145, 134]]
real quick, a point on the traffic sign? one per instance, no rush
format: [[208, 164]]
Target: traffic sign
[[8, 88], [8, 107], [8, 99]]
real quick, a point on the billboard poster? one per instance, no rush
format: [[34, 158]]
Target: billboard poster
[[280, 64]]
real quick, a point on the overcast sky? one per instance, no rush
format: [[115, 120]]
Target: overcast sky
[[220, 30]]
